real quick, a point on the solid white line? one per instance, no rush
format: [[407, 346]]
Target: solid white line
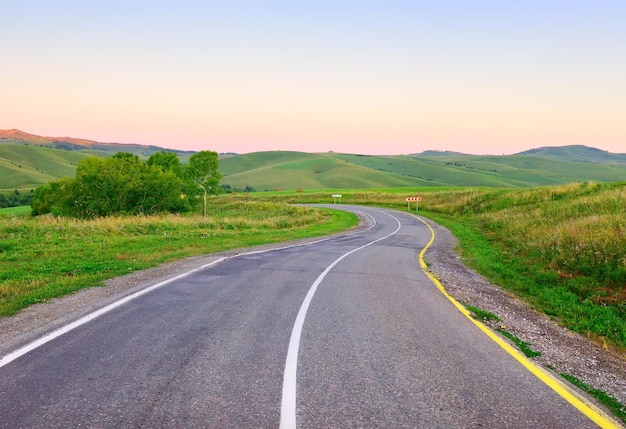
[[5, 360], [91, 316], [288, 405]]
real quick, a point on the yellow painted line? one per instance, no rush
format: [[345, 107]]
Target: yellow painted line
[[589, 409]]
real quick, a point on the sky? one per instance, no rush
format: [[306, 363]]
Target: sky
[[380, 77]]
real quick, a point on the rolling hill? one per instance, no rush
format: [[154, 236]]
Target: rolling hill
[[292, 170], [28, 161], [81, 145]]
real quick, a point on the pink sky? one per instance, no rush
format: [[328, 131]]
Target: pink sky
[[353, 77]]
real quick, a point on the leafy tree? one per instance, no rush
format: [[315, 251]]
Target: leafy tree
[[167, 161], [123, 184], [202, 170], [53, 197]]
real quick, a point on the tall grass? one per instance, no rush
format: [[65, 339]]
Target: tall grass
[[45, 257], [562, 248]]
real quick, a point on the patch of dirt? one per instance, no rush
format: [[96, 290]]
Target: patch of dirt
[[560, 349]]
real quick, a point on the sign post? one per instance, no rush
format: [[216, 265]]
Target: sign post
[[335, 196], [416, 199]]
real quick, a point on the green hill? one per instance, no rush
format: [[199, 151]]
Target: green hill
[[28, 161], [293, 170], [27, 167], [577, 153], [83, 145]]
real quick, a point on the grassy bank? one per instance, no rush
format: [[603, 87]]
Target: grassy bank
[[562, 248], [46, 257]]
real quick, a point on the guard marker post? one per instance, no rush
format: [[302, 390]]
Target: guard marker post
[[416, 199]]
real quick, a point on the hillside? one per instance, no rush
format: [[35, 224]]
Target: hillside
[[81, 145], [28, 161], [292, 170], [577, 153]]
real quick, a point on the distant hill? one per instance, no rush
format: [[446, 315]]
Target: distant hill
[[292, 170], [82, 145], [28, 161], [577, 153]]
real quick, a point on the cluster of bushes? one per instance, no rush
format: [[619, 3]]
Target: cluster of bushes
[[230, 189], [124, 184], [15, 199]]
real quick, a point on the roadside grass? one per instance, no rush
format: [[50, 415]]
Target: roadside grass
[[480, 314], [47, 257], [618, 409], [612, 404], [523, 346], [561, 248]]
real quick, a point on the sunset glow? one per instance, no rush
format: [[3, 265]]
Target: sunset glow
[[346, 76]]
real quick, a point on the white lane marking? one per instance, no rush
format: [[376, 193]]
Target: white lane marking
[[5, 360], [288, 405], [67, 328]]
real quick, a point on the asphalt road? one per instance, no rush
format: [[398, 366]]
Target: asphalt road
[[347, 332]]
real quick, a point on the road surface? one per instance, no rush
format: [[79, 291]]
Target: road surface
[[345, 332]]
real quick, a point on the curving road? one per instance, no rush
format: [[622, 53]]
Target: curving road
[[345, 332]]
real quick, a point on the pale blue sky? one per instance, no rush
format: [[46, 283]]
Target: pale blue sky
[[380, 77]]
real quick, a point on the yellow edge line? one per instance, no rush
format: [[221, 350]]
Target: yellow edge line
[[594, 413]]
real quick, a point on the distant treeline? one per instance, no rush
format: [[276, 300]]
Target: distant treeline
[[15, 199]]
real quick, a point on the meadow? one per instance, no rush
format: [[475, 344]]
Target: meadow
[[45, 257], [561, 248]]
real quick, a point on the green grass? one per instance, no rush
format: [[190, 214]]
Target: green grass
[[266, 171], [522, 345], [26, 167], [485, 316], [602, 397], [481, 314], [561, 248], [15, 211], [47, 257]]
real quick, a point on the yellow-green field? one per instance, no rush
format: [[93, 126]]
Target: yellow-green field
[[561, 248]]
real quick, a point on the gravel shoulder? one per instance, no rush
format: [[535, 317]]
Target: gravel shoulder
[[565, 351], [560, 349]]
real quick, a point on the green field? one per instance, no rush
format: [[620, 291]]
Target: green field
[[561, 248], [45, 257], [15, 211], [26, 164]]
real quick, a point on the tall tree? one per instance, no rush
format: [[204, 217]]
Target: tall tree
[[203, 171]]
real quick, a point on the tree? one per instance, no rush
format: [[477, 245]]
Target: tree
[[167, 161], [202, 170], [123, 184]]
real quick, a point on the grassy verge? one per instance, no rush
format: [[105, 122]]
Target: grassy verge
[[46, 257], [602, 397], [561, 248]]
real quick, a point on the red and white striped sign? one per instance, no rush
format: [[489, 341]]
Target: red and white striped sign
[[414, 198]]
